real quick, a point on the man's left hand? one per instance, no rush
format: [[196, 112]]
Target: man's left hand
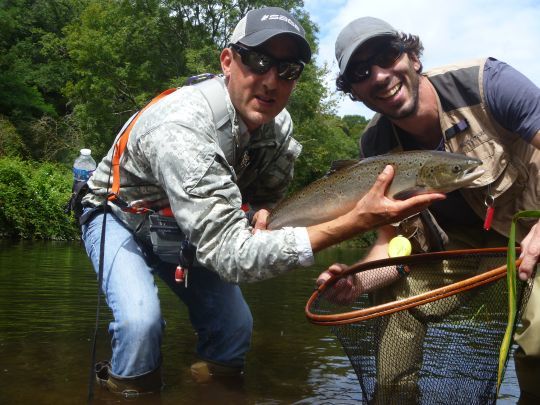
[[260, 220]]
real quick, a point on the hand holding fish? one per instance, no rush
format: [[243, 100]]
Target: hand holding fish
[[414, 173], [530, 252], [377, 209], [373, 210], [260, 220]]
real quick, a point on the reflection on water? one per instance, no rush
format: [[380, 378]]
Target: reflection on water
[[47, 316]]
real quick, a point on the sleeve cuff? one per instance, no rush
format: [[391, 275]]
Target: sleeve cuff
[[305, 253]]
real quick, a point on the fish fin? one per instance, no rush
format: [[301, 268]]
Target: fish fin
[[338, 165], [408, 193]]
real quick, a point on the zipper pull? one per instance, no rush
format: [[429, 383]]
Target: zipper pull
[[490, 204]]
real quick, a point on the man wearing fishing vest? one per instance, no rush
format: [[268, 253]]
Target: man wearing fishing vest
[[483, 108], [201, 153]]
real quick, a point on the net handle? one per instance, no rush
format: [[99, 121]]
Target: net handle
[[395, 306]]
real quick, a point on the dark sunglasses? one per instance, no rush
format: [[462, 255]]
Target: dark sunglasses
[[361, 70], [260, 63]]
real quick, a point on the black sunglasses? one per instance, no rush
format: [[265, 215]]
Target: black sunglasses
[[260, 63], [361, 70]]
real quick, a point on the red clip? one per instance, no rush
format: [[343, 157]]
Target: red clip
[[490, 204], [179, 274], [489, 218]]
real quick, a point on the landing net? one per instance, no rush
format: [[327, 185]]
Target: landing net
[[430, 335]]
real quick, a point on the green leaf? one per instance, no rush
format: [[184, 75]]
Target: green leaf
[[511, 276]]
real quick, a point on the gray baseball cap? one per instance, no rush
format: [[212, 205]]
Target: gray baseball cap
[[356, 33], [259, 25]]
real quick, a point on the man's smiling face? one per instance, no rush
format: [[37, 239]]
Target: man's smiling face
[[391, 91]]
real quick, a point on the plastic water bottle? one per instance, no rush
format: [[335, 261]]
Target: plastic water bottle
[[83, 167]]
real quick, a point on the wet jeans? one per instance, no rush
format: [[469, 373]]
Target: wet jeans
[[217, 309]]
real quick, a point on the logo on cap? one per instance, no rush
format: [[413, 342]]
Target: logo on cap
[[280, 18]]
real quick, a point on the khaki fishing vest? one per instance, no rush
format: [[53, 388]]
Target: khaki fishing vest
[[511, 164]]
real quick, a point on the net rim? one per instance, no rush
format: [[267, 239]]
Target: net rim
[[411, 302]]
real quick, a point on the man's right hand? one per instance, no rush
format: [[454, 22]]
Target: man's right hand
[[372, 211]]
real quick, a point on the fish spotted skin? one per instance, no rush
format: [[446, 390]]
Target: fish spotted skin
[[415, 172]]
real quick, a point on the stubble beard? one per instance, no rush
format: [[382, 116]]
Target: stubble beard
[[410, 107]]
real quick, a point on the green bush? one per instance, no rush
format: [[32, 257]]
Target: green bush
[[11, 143], [32, 200]]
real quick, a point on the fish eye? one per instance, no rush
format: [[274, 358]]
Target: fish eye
[[456, 169]]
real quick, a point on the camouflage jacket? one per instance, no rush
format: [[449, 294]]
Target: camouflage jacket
[[173, 157]]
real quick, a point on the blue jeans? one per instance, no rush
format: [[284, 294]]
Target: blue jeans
[[217, 309]]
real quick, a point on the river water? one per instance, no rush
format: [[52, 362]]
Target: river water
[[48, 296]]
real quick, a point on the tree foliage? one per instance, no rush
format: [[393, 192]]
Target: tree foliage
[[125, 52], [34, 66], [11, 143], [73, 71]]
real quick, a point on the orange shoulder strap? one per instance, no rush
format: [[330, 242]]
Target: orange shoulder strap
[[120, 146]]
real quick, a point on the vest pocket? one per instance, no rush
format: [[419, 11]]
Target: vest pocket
[[212, 177], [504, 181]]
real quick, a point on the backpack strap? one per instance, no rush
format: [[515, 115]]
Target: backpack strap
[[119, 148], [214, 92]]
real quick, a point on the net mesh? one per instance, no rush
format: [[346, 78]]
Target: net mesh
[[431, 337]]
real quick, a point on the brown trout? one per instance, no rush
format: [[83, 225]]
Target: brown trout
[[415, 172]]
